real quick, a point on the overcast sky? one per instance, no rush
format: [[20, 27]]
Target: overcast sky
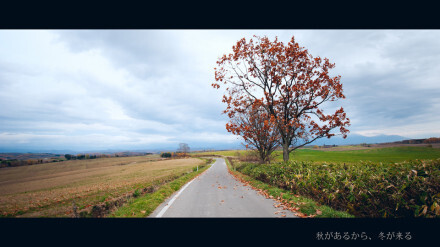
[[144, 89]]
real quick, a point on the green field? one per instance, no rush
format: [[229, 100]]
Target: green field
[[369, 182], [384, 155]]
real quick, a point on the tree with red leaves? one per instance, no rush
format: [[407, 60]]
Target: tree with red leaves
[[289, 83], [257, 128]]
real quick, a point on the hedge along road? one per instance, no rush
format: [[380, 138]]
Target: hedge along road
[[216, 193]]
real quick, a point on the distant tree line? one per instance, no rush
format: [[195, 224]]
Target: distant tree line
[[182, 151], [16, 162], [97, 156], [432, 140], [82, 156], [173, 155], [421, 141]]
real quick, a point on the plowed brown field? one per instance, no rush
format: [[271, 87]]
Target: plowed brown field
[[49, 190]]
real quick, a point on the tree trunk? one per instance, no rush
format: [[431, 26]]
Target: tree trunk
[[286, 151]]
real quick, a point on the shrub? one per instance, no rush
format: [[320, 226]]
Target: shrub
[[165, 155], [137, 193], [250, 157], [408, 189]]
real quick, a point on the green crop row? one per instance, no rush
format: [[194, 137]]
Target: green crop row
[[365, 189]]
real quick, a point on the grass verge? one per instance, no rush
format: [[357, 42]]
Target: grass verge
[[144, 205], [306, 208]]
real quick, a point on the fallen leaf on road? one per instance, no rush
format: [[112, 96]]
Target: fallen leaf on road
[[143, 211], [318, 212], [299, 214], [283, 215]]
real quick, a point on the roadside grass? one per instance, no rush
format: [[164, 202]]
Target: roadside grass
[[143, 206], [305, 206]]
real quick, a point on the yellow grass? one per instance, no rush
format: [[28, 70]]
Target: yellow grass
[[223, 153], [48, 190]]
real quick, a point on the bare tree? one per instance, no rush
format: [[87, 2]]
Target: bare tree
[[183, 148]]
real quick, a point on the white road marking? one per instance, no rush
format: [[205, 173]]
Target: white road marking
[[172, 200]]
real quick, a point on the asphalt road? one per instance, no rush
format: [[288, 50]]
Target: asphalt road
[[216, 193]]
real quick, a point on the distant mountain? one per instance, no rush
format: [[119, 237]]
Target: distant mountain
[[357, 139], [351, 139], [337, 140], [35, 151]]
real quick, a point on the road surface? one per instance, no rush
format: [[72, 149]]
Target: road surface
[[216, 193]]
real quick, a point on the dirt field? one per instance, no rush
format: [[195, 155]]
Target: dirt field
[[48, 190]]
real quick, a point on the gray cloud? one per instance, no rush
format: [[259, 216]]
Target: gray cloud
[[390, 77], [136, 88], [166, 73]]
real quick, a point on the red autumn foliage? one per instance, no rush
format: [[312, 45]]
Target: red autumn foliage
[[288, 83], [432, 140], [257, 128]]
